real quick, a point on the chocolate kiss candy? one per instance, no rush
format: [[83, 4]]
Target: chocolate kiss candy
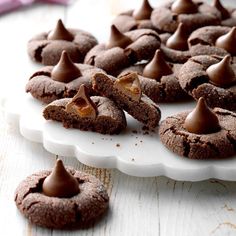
[[228, 42], [144, 12], [157, 67], [202, 119], [184, 7], [117, 39], [179, 40], [222, 74], [129, 84], [65, 70], [224, 12], [60, 183], [82, 105], [60, 33]]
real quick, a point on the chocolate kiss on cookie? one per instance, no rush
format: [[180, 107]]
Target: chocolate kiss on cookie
[[222, 74], [184, 7], [157, 67], [202, 120], [228, 41], [60, 183], [65, 70], [117, 39], [144, 12], [82, 105], [179, 40], [60, 33], [224, 12], [129, 84]]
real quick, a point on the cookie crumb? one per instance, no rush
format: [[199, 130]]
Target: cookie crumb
[[92, 142], [144, 128], [132, 159], [118, 145], [136, 144], [134, 131], [145, 133], [141, 141]]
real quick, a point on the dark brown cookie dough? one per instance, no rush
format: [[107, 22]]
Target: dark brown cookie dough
[[142, 109], [164, 19], [48, 51], [53, 212], [194, 79], [202, 41], [218, 145], [45, 89], [166, 90], [109, 119], [112, 60], [135, 19]]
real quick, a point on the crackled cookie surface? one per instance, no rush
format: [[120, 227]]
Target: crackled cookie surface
[[123, 50], [43, 198], [47, 47], [159, 79], [194, 14], [63, 80], [200, 134], [97, 114], [126, 92], [218, 88]]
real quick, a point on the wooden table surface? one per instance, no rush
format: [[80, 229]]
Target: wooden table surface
[[138, 206]]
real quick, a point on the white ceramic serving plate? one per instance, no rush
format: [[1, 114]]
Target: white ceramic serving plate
[[133, 151]]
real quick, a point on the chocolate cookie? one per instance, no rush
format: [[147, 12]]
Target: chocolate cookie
[[210, 77], [61, 198], [194, 14], [213, 40], [135, 19], [123, 50], [47, 47], [126, 93], [159, 79], [63, 80], [95, 113], [228, 15], [200, 134]]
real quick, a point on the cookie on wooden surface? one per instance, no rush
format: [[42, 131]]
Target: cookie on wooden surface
[[62, 198]]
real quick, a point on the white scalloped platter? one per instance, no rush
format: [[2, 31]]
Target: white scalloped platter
[[133, 152]]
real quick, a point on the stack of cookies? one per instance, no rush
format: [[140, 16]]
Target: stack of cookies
[[181, 50]]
